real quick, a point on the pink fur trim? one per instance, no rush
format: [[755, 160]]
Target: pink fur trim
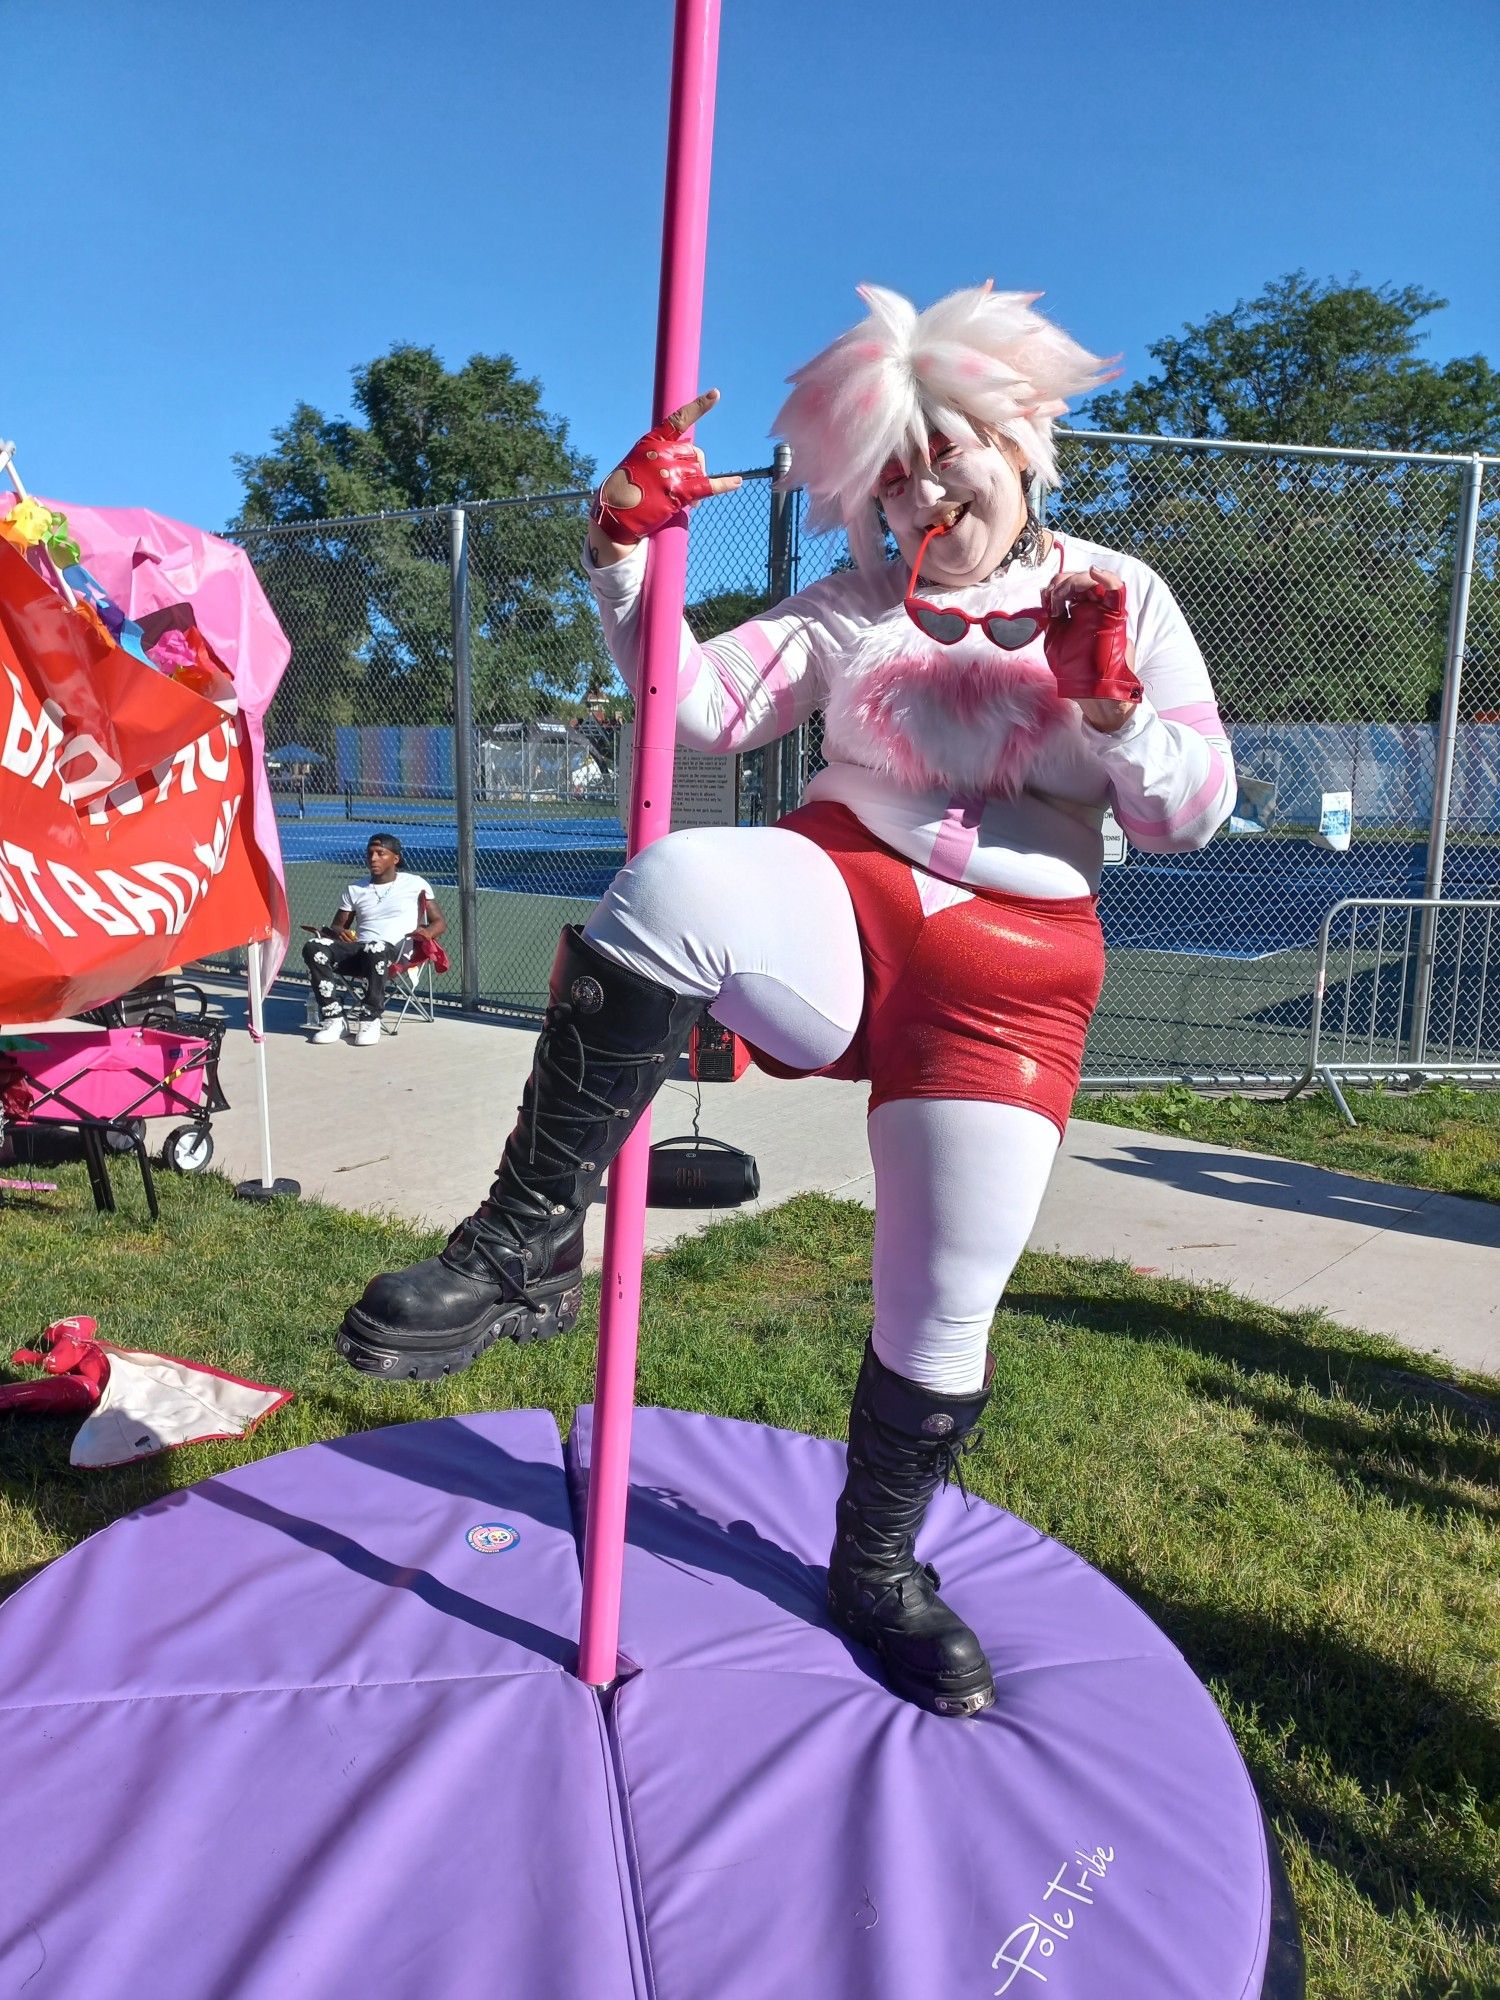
[[1004, 710]]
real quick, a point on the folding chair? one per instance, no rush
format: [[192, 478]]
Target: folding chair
[[412, 985]]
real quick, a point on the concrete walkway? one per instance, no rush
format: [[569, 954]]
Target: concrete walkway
[[414, 1126]]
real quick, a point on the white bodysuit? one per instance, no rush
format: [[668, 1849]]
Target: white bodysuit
[[758, 922]]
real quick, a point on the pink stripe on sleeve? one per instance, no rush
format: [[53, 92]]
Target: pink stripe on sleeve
[[758, 643], [735, 705], [1202, 716], [688, 672], [770, 658], [1184, 817], [778, 686]]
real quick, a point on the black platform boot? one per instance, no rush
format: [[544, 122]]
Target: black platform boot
[[903, 1440], [514, 1268]]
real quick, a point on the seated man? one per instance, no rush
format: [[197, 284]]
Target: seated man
[[370, 934]]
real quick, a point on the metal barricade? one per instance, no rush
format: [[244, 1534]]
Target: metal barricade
[[1404, 992]]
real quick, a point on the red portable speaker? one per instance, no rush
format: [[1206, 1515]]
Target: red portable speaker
[[716, 1054]]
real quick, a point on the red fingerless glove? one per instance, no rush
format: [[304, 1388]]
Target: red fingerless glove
[[666, 470], [1088, 651]]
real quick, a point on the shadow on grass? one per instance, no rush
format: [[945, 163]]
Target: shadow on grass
[[1343, 1708], [1391, 1730], [1206, 1327], [1382, 1461], [69, 1502]]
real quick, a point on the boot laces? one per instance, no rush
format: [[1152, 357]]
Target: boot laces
[[948, 1455], [880, 1586], [589, 1105], [951, 1457], [563, 1156]]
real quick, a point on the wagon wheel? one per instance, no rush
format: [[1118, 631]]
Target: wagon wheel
[[188, 1149]]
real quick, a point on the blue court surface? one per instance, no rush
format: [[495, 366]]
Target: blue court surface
[[1245, 897], [1249, 897]]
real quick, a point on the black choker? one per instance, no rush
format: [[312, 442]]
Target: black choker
[[1028, 547]]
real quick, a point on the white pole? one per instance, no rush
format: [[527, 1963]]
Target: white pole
[[262, 1086], [267, 1185]]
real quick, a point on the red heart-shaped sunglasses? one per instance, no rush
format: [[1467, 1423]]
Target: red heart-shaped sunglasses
[[1010, 630]]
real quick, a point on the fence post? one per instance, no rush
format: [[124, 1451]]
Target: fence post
[[1447, 746], [779, 585], [463, 758]]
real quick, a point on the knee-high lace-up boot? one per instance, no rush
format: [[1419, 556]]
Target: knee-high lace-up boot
[[513, 1269], [903, 1441]]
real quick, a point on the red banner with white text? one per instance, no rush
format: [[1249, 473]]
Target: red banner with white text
[[125, 844]]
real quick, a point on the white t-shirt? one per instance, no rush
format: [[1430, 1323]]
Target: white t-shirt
[[387, 912]]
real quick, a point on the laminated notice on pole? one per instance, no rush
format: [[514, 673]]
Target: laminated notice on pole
[[1116, 846], [1336, 821], [705, 790]]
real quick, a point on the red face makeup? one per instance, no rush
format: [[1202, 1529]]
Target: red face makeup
[[972, 492]]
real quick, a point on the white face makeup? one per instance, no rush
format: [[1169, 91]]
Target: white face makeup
[[977, 487]]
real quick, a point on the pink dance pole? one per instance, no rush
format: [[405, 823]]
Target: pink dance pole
[[695, 47]]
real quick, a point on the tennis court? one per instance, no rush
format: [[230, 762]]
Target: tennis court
[[1242, 898], [1212, 956]]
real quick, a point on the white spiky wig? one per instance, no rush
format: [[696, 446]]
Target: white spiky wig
[[977, 366]]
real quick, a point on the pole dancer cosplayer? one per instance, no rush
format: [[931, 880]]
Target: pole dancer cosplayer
[[926, 919]]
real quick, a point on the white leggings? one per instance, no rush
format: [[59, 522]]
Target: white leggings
[[758, 922]]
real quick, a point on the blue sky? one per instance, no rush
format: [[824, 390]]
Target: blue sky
[[212, 212]]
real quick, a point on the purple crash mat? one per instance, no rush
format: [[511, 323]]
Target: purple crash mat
[[310, 1728], [1093, 1834]]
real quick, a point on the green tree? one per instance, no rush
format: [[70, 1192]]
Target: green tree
[[366, 604], [723, 611], [1309, 363], [1317, 588]]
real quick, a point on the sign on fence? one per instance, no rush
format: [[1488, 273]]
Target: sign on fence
[[705, 790]]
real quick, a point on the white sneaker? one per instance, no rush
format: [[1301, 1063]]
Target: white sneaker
[[366, 1035], [331, 1031]]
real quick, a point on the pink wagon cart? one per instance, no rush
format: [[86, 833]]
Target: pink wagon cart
[[105, 1083]]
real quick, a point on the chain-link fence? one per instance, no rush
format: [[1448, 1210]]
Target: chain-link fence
[[449, 682]]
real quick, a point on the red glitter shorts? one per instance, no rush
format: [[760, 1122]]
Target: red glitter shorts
[[989, 998]]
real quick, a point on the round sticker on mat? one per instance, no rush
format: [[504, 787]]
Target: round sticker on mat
[[492, 1538]]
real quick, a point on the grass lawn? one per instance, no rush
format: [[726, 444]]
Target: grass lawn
[[1310, 1514], [1442, 1137]]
